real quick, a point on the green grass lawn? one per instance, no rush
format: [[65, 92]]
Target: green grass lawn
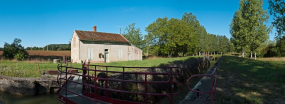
[[30, 69], [247, 81]]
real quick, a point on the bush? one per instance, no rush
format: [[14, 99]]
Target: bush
[[21, 55], [15, 50]]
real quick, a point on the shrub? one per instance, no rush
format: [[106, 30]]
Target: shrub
[[21, 55], [15, 50]]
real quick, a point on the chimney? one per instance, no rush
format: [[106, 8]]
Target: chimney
[[94, 28]]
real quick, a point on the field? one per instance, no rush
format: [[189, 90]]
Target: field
[[272, 59], [30, 68], [49, 53], [247, 81], [46, 53]]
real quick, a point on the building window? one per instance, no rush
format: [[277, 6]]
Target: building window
[[90, 54]]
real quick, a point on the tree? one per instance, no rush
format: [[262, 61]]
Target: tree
[[247, 28], [199, 30], [171, 37], [15, 50], [134, 35], [277, 9]]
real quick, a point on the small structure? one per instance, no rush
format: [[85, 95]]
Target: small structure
[[93, 46]]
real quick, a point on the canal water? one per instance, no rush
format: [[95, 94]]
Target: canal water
[[6, 98]]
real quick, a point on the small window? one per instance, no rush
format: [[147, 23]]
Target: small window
[[101, 55], [106, 49]]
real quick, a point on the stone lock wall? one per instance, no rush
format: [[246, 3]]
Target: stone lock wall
[[26, 86]]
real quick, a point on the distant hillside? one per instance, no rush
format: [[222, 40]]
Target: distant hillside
[[52, 47], [57, 47]]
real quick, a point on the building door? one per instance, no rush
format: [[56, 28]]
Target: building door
[[106, 55]]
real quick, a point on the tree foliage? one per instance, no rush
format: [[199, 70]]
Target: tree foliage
[[199, 30], [277, 9], [15, 50], [180, 37], [171, 37], [134, 35], [247, 28]]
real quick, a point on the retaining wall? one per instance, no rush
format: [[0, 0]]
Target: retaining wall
[[26, 86]]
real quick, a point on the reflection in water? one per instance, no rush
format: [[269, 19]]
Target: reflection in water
[[6, 98]]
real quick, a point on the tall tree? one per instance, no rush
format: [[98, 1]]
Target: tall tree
[[200, 31], [172, 37], [134, 35], [248, 27], [277, 9]]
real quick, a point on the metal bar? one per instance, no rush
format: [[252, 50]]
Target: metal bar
[[106, 83], [145, 86], [66, 82], [213, 84], [95, 81], [123, 87], [171, 78]]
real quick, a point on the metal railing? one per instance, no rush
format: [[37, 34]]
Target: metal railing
[[91, 90], [211, 91]]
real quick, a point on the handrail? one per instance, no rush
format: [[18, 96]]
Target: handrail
[[86, 78], [212, 83]]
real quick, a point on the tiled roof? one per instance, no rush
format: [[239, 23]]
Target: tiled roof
[[100, 36]]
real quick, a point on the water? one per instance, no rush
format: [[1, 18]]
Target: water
[[6, 98]]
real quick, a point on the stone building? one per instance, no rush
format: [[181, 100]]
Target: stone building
[[96, 47]]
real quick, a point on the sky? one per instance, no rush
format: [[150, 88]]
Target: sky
[[42, 22]]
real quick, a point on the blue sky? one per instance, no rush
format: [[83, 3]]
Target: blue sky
[[42, 22]]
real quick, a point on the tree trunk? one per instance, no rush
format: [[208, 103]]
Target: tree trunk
[[242, 54], [255, 55], [250, 54]]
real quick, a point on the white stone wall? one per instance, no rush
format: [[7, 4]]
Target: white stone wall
[[75, 48]]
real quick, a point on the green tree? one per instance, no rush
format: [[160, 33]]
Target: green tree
[[15, 50], [247, 28], [134, 35], [199, 30], [171, 37], [277, 9]]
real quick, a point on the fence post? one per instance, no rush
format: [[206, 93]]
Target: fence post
[[145, 88], [66, 82], [123, 87]]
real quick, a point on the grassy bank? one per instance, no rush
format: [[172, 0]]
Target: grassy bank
[[247, 81], [30, 68]]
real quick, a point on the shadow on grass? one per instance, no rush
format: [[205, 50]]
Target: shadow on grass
[[242, 80]]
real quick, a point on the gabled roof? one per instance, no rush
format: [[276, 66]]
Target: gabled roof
[[100, 36]]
